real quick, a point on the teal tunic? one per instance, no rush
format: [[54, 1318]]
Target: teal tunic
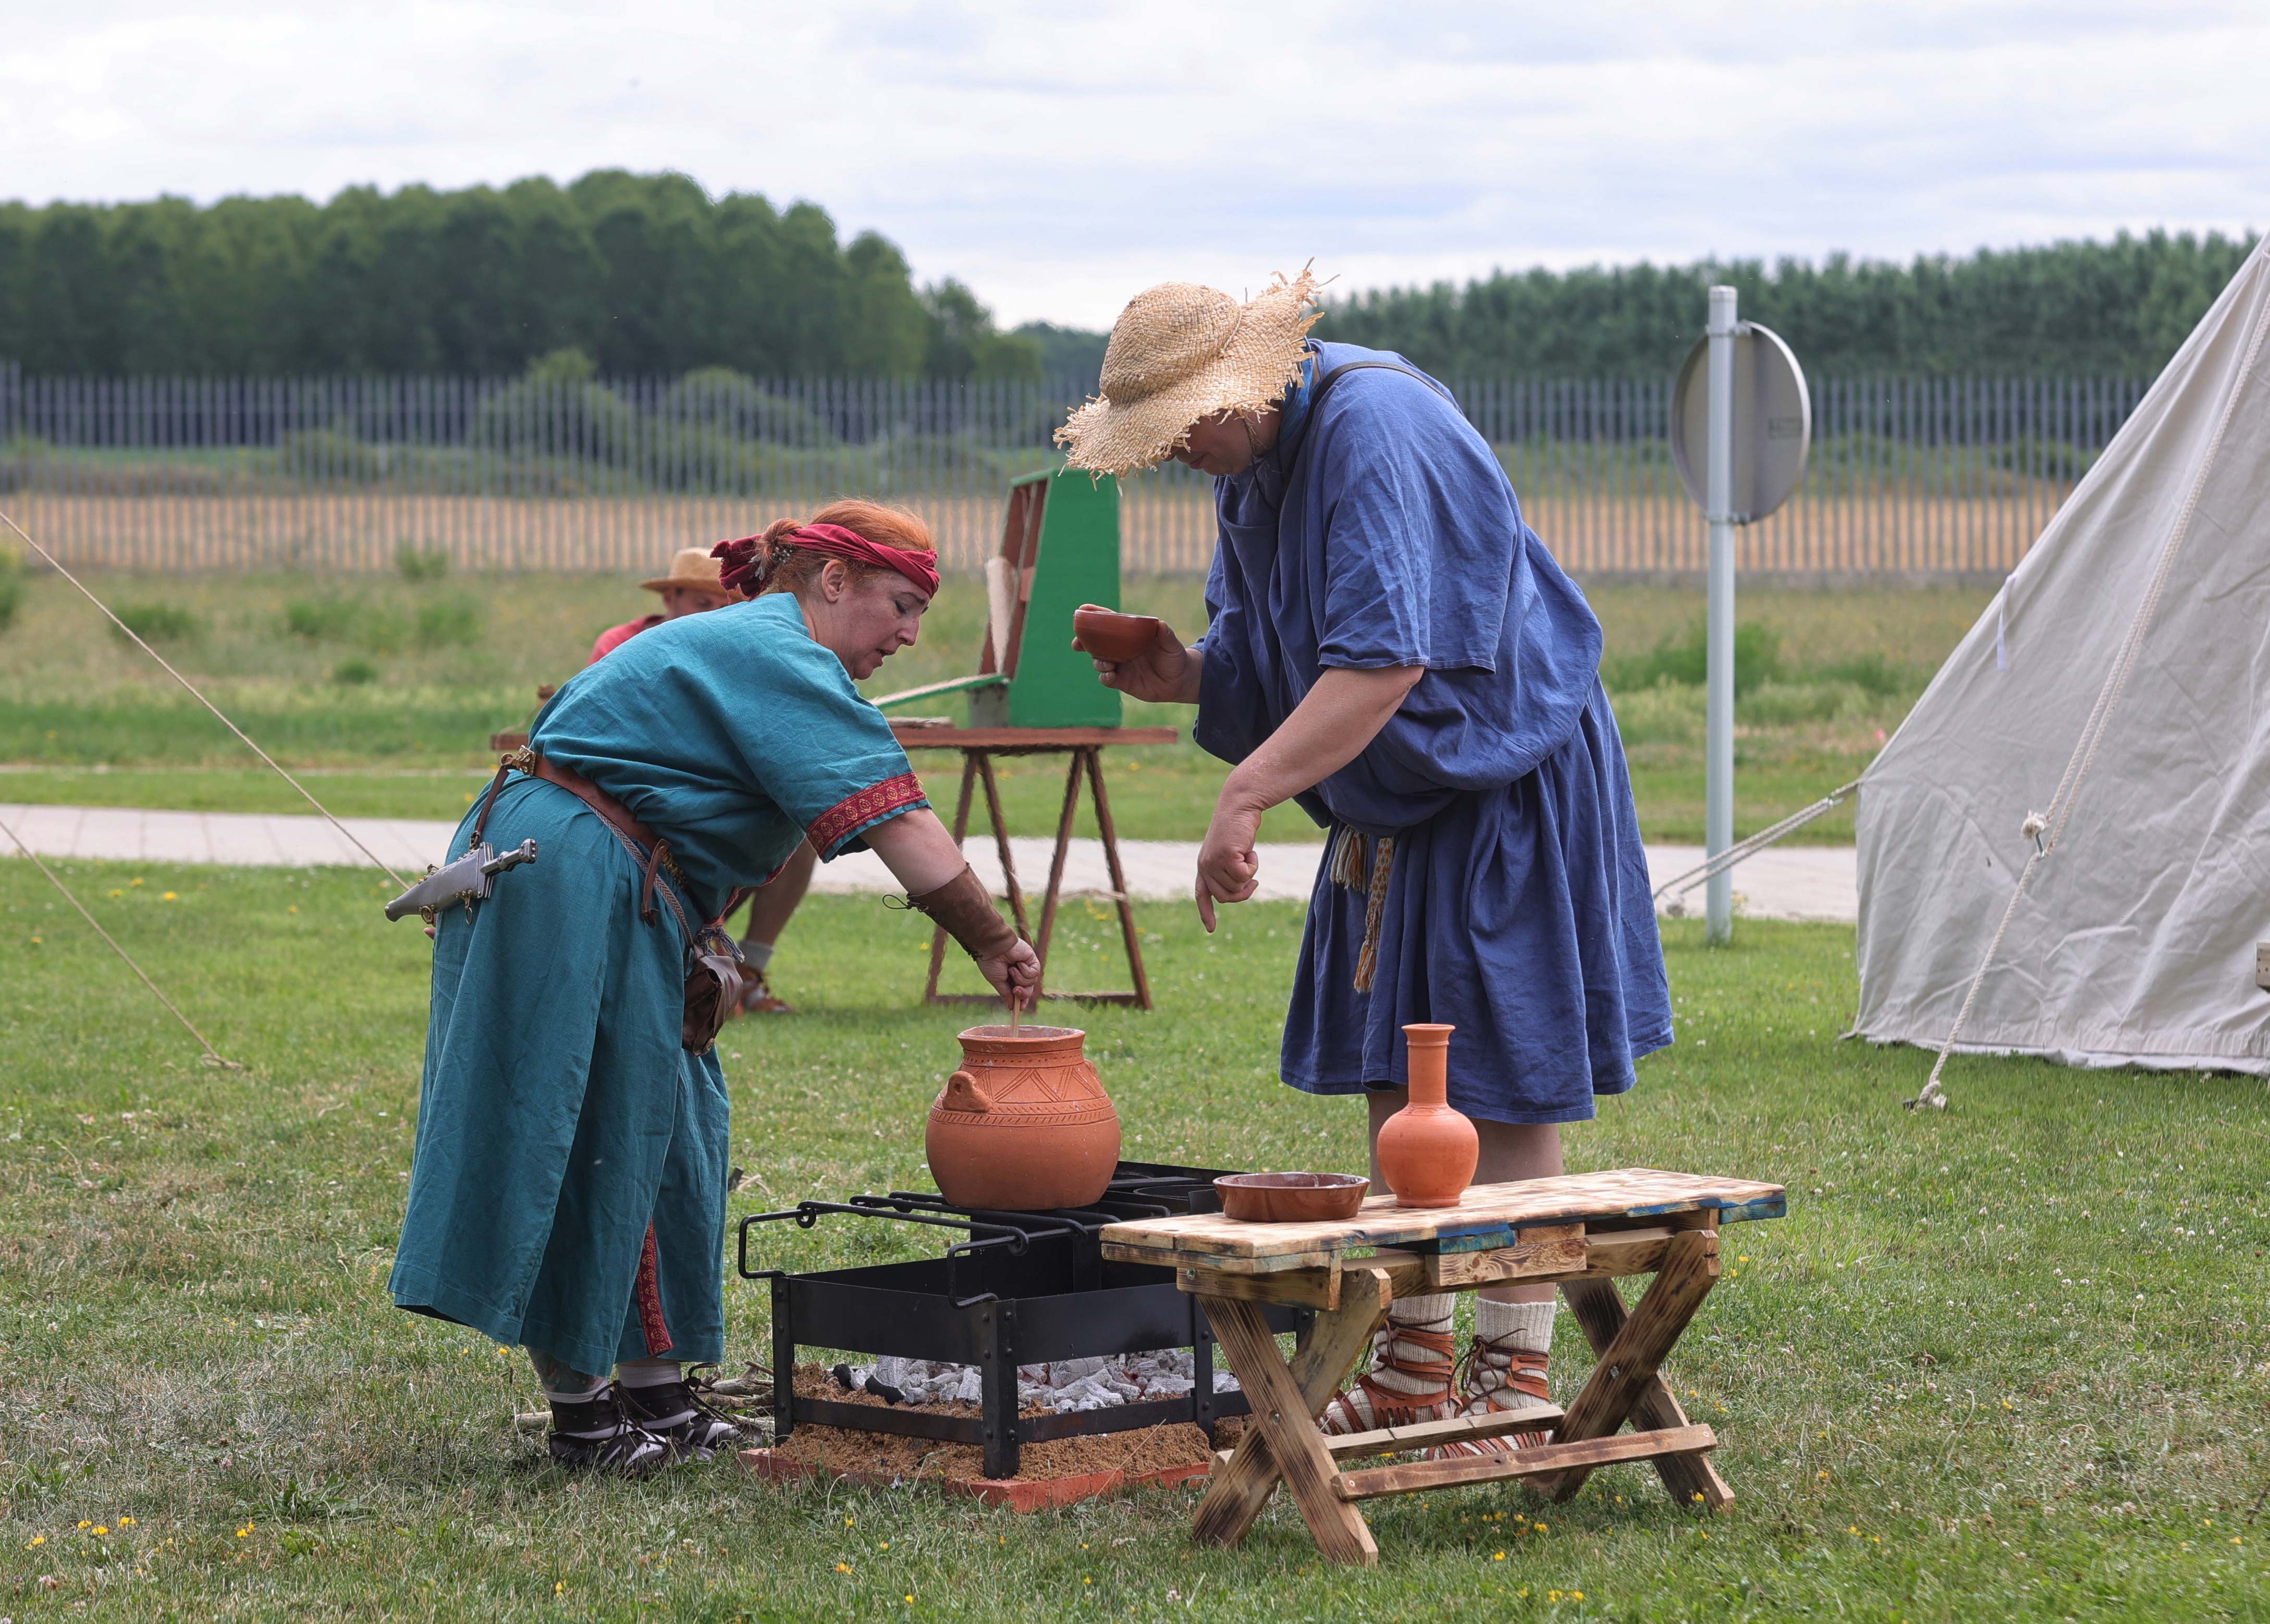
[[567, 1187]]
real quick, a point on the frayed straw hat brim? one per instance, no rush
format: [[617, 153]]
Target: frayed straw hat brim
[[689, 567], [1256, 362]]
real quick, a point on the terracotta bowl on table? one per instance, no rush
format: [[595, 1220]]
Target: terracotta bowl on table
[[1289, 1197], [1108, 635]]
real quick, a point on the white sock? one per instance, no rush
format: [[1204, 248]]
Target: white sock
[[1527, 1327], [1353, 1411], [647, 1372], [1428, 1313], [757, 953]]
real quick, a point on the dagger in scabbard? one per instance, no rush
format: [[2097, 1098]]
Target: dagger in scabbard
[[469, 878]]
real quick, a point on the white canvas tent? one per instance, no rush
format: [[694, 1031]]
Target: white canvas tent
[[2119, 687]]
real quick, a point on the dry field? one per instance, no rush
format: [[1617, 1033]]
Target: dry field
[[1165, 529]]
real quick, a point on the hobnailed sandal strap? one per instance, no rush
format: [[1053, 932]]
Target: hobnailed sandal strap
[[1391, 1406], [1520, 1371]]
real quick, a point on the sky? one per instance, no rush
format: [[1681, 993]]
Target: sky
[[1058, 159]]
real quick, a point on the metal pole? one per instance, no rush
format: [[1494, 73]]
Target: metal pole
[[1718, 751]]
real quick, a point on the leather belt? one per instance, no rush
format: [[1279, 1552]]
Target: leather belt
[[654, 859]]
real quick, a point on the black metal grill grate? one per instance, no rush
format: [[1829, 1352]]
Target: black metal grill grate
[[1021, 1288]]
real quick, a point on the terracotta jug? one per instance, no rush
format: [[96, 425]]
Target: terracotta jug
[[1025, 1125], [1427, 1151]]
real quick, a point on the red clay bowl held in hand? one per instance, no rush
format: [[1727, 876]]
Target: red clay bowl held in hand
[[1108, 635], [1289, 1197]]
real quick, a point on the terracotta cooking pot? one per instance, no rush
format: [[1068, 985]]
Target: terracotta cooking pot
[[1108, 635], [1024, 1125], [1427, 1150]]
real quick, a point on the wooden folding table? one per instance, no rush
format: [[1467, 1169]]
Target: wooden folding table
[[1580, 1231]]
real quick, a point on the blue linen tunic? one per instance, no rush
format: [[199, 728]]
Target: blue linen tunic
[[1382, 531], [563, 1133]]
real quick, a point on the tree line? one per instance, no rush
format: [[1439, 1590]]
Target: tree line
[[648, 275], [644, 274], [2121, 307]]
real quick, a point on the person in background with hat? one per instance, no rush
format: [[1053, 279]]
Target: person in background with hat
[[1390, 645], [691, 588], [694, 587]]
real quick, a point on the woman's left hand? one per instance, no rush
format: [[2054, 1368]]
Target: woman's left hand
[[1229, 869], [1016, 974]]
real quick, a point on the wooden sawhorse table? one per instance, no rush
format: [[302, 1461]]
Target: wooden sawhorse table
[[1085, 746], [1580, 1231]]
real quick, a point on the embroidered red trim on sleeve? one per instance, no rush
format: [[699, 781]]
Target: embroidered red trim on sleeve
[[863, 807]]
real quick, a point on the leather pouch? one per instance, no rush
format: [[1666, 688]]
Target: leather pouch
[[713, 989]]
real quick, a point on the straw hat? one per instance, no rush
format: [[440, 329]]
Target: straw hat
[[1180, 353], [689, 567]]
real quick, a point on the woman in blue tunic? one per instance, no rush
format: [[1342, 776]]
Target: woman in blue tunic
[[567, 1188], [1390, 646]]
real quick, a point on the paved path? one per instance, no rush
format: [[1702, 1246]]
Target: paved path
[[1794, 882]]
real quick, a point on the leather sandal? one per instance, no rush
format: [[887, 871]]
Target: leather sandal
[[757, 998], [1494, 1376], [675, 1415], [595, 1436], [1419, 1356]]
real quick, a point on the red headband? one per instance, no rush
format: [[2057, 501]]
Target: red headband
[[738, 559]]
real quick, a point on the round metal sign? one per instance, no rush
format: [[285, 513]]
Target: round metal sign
[[1773, 422]]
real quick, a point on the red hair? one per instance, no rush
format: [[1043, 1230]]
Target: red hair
[[784, 567]]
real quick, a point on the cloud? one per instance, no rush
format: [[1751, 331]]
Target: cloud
[[1058, 159]]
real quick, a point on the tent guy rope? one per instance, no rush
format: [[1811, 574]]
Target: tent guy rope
[[213, 1056], [56, 564], [1679, 885], [2044, 830]]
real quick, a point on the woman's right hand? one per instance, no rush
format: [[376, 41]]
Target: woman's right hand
[[1166, 673], [1016, 974]]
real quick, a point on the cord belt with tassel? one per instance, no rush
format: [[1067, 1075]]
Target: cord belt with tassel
[[1369, 879]]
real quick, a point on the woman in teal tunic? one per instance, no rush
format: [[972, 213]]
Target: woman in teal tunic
[[568, 1191]]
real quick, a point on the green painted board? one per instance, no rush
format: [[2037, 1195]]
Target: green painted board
[[1076, 562]]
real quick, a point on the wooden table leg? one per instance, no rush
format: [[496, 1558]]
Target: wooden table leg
[[1627, 1365], [1691, 1478], [1127, 931], [960, 828], [1327, 1351], [984, 761], [1056, 864]]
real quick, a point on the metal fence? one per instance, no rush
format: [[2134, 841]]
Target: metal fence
[[1909, 475]]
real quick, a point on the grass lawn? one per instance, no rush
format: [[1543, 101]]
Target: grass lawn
[[2004, 1361], [393, 687]]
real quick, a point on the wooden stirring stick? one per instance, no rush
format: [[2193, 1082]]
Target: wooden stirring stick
[[1012, 1001]]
